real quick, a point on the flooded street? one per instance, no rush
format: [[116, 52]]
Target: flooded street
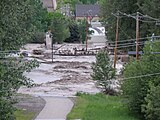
[[66, 76]]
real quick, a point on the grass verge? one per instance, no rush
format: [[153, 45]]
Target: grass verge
[[99, 107], [24, 115]]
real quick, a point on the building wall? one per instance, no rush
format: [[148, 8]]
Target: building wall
[[97, 39], [51, 5]]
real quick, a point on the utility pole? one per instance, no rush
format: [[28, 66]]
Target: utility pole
[[152, 38], [116, 42], [52, 48], [51, 33], [137, 36], [87, 32]]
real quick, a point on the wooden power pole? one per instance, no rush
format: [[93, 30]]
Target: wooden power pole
[[137, 36], [51, 33], [86, 32], [116, 42]]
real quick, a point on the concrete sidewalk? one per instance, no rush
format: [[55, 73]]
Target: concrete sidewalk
[[56, 108]]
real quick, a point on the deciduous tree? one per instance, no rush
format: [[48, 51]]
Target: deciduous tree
[[141, 74], [127, 25], [19, 20], [59, 26]]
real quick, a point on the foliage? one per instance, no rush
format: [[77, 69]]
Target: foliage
[[24, 115], [39, 15], [82, 30], [74, 32], [11, 78], [99, 107], [88, 1], [39, 21], [127, 26], [6, 110], [59, 26], [103, 72], [151, 108], [19, 20], [38, 37], [150, 8], [136, 89]]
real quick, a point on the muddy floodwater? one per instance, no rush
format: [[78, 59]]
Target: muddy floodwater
[[64, 77]]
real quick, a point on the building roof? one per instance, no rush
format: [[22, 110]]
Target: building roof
[[49, 4], [92, 10]]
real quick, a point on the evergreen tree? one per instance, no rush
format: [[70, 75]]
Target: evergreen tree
[[103, 72]]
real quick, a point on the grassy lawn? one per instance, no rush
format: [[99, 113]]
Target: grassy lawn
[[24, 115], [99, 107]]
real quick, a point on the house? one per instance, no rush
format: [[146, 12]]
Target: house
[[51, 5], [92, 11]]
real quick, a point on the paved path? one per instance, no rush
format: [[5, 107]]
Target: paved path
[[56, 108]]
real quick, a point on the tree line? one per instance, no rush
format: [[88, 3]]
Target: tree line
[[21, 22], [127, 26], [140, 86]]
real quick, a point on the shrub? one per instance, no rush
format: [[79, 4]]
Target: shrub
[[11, 78], [134, 90], [151, 108], [103, 72], [139, 75], [38, 37]]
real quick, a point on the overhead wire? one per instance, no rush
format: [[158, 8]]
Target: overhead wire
[[127, 43], [128, 40], [135, 77], [141, 16], [147, 75], [134, 44]]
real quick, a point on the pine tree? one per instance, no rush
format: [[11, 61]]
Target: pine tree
[[103, 72]]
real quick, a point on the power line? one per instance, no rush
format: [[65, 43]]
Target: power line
[[147, 75], [146, 21], [9, 51], [140, 17], [130, 45], [141, 76], [149, 17], [124, 32], [128, 40]]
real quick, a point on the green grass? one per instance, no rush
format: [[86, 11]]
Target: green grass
[[99, 107], [24, 115]]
